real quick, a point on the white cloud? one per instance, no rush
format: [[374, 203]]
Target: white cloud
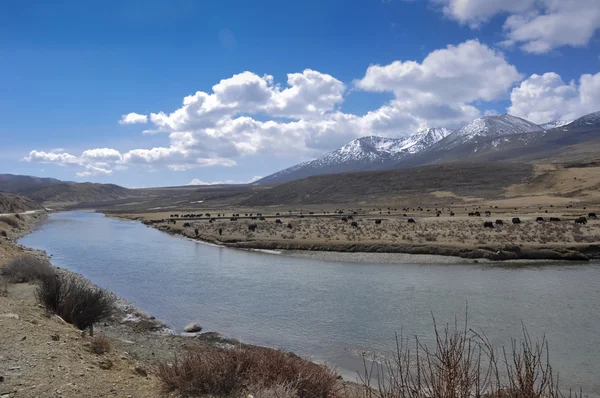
[[101, 155], [545, 98], [133, 118], [197, 181], [93, 171], [465, 73], [61, 159], [537, 26], [251, 115]]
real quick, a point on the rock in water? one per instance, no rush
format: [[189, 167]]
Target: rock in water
[[192, 327]]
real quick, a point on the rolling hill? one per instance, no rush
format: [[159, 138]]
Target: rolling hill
[[469, 179], [50, 190], [16, 204]]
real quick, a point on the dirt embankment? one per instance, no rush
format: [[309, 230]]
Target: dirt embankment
[[42, 356], [459, 236]]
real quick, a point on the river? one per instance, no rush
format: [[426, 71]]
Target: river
[[328, 310]]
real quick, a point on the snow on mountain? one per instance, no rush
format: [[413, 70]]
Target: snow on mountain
[[364, 153], [555, 124], [591, 119], [489, 128]]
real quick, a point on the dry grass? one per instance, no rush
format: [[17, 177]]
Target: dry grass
[[100, 344], [10, 220], [462, 364], [26, 268], [75, 300], [227, 373]]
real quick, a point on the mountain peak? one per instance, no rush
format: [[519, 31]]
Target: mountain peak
[[497, 126], [364, 153], [590, 119]]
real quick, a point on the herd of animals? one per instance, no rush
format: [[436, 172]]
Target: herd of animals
[[582, 220]]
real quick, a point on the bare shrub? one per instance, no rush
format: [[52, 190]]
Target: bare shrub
[[74, 300], [462, 364], [100, 344], [26, 268], [9, 220], [227, 373]]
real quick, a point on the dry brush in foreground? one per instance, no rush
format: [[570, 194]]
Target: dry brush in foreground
[[463, 364], [234, 372]]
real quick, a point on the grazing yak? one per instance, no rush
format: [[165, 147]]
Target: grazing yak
[[378, 221], [554, 219], [354, 224], [488, 224], [411, 221], [451, 214], [262, 219], [581, 220], [278, 221], [592, 216], [289, 225], [516, 220], [477, 214], [186, 225], [540, 219], [344, 219], [350, 218], [252, 227], [220, 231], [499, 222]]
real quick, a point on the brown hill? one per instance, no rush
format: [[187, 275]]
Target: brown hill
[[463, 179], [16, 204]]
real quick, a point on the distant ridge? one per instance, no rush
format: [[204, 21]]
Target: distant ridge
[[51, 190], [366, 153]]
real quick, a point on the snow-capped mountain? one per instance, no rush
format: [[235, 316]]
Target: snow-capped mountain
[[482, 135], [366, 153], [555, 124], [592, 119], [489, 127]]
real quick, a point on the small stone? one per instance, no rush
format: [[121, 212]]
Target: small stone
[[192, 327]]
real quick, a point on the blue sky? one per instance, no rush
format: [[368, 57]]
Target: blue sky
[[70, 71]]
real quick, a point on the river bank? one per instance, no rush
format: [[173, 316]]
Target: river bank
[[447, 237], [41, 355]]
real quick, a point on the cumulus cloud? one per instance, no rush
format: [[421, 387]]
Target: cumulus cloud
[[464, 73], [197, 181], [133, 118], [59, 158], [101, 155], [95, 162], [537, 26], [93, 171], [545, 98], [252, 115]]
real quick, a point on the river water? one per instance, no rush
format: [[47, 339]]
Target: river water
[[324, 310]]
